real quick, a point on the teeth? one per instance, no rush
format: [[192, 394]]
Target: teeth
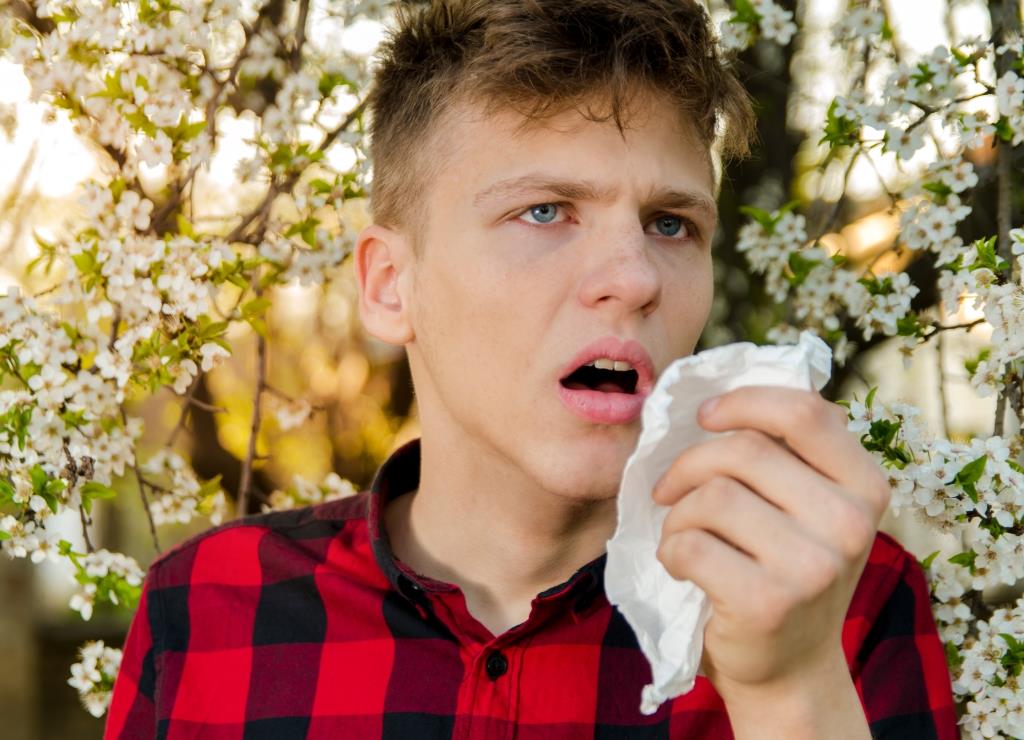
[[606, 364]]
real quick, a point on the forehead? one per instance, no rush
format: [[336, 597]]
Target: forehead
[[476, 146]]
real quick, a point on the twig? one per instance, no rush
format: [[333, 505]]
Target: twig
[[211, 130], [840, 201], [114, 326], [287, 183], [295, 60], [940, 353], [145, 507], [206, 406], [85, 530], [184, 411], [71, 471], [254, 431], [142, 492], [1005, 24], [938, 328]]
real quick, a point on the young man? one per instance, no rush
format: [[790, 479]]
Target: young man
[[544, 199]]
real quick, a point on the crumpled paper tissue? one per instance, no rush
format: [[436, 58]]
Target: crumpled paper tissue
[[669, 615]]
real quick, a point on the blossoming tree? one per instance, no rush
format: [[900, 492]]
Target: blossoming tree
[[143, 289]]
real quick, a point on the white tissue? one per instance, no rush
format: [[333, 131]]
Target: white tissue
[[668, 615]]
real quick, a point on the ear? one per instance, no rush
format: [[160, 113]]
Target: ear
[[381, 258]]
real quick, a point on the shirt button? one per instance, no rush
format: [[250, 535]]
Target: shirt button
[[497, 665]]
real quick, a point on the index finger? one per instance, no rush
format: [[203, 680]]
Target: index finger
[[814, 428]]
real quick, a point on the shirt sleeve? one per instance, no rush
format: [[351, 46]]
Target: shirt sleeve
[[900, 668], [132, 712]]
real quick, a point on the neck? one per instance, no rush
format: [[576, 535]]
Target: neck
[[477, 521]]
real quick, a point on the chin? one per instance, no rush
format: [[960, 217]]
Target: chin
[[586, 469]]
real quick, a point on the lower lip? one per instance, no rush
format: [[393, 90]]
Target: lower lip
[[602, 408]]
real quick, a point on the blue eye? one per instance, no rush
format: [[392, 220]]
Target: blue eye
[[669, 225], [545, 213]]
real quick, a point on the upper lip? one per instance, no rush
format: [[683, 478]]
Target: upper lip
[[613, 348]]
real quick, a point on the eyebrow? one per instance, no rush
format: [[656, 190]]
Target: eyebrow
[[584, 190]]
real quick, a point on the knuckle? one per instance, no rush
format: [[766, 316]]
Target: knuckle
[[820, 568], [883, 493], [856, 528], [771, 606], [841, 415], [754, 444], [690, 546], [720, 492], [860, 533], [808, 409]]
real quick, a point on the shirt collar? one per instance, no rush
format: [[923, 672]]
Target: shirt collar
[[400, 474]]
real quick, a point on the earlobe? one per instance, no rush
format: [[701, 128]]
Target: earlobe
[[381, 255]]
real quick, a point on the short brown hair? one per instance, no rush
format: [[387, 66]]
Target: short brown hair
[[540, 58]]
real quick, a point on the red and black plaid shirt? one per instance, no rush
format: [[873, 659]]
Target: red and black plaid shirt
[[302, 624]]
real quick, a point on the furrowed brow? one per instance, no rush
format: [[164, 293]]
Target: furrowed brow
[[686, 200], [567, 189]]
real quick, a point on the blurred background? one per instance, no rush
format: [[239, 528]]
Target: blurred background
[[361, 389]]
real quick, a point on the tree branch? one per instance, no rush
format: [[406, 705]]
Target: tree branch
[[254, 430], [1006, 24], [142, 492], [286, 184]]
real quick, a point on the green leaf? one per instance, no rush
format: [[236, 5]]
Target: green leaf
[[800, 267], [745, 12], [924, 74], [185, 227], [73, 418], [320, 186], [189, 131], [39, 478], [85, 262], [255, 307], [877, 286], [94, 490], [940, 189], [6, 491], [871, 397], [953, 657], [140, 122], [840, 131], [1004, 130], [965, 559], [971, 365], [971, 472], [4, 536], [209, 330], [1013, 658], [909, 326], [330, 80], [209, 488], [987, 257], [927, 562], [761, 216]]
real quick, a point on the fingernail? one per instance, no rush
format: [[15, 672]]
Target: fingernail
[[708, 407]]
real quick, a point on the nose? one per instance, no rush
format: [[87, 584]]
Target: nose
[[621, 276]]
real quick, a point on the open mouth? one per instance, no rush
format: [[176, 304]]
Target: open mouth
[[596, 376]]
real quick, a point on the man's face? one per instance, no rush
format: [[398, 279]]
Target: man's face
[[539, 243]]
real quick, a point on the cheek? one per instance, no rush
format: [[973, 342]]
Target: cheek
[[690, 286]]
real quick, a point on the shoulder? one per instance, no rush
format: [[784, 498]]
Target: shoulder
[[236, 551]]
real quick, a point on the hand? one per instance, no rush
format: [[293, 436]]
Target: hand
[[774, 522]]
